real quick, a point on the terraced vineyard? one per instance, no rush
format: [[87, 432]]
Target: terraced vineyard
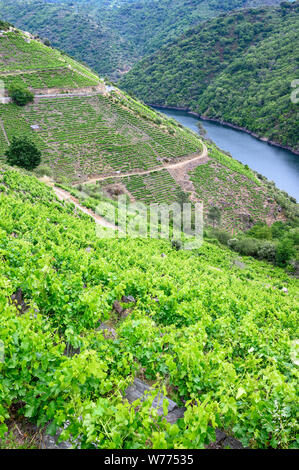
[[103, 132], [25, 60], [213, 182], [52, 78], [222, 338], [156, 187], [84, 136]]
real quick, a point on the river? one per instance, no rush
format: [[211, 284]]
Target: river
[[278, 165]]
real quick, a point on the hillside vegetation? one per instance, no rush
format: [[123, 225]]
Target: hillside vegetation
[[87, 130], [111, 36], [27, 62], [237, 68], [220, 336]]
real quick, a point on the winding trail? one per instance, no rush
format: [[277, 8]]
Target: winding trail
[[65, 196], [171, 166], [4, 131]]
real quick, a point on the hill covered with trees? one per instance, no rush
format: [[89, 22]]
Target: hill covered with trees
[[85, 314], [84, 130], [111, 36], [237, 68]]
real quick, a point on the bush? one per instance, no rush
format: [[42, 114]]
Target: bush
[[44, 171], [246, 246], [285, 251], [267, 250], [20, 95], [260, 231], [176, 245], [23, 153], [222, 236]]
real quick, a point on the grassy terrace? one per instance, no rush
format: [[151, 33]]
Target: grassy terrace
[[52, 78], [20, 55], [82, 136], [155, 187]]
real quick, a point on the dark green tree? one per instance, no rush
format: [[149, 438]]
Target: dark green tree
[[214, 215], [182, 197], [285, 251], [20, 95], [23, 153]]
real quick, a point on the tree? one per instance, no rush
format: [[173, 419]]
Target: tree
[[214, 215], [47, 42], [182, 197], [20, 95], [285, 251], [23, 153]]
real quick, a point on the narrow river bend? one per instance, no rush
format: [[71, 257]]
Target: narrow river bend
[[278, 165]]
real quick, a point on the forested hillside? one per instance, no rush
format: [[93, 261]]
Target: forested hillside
[[218, 335], [111, 36], [237, 68], [88, 131]]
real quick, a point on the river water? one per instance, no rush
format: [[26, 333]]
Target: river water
[[278, 165]]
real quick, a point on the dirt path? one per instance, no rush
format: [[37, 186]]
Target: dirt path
[[182, 167], [31, 71], [182, 177], [4, 131], [65, 196], [67, 95], [171, 166]]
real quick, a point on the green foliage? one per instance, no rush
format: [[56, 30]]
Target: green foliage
[[219, 337], [285, 251], [261, 231], [20, 95], [214, 215], [23, 153], [4, 26], [111, 36], [278, 243], [23, 55], [237, 68], [113, 131]]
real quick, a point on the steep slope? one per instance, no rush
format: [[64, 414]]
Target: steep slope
[[220, 335], [28, 62], [117, 133], [89, 131], [76, 33], [111, 36], [237, 68]]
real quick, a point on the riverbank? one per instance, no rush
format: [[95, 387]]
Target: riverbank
[[277, 164], [227, 124]]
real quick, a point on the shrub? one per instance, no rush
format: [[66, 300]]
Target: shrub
[[222, 236], [214, 215], [260, 231], [23, 153], [47, 43], [285, 251], [245, 246], [267, 250], [176, 245], [20, 95], [43, 171]]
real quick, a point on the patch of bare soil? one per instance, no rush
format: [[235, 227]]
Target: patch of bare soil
[[181, 175], [117, 189]]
